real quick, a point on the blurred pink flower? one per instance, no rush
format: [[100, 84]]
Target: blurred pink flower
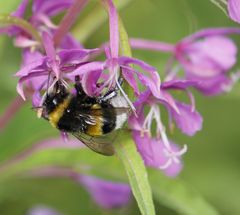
[[208, 62], [234, 10], [107, 194], [206, 57]]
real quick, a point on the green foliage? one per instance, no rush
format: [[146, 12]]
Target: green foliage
[[132, 161], [179, 196]]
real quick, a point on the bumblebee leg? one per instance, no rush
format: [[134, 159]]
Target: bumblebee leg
[[109, 95], [112, 93]]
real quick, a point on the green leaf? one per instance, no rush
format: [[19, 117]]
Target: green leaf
[[77, 159], [8, 6], [6, 19], [126, 149], [136, 171], [178, 196], [125, 49], [92, 22]]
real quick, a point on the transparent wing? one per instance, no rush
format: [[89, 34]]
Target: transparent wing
[[102, 145]]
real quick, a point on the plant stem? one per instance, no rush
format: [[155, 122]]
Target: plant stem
[[68, 20], [23, 24], [151, 45], [10, 112]]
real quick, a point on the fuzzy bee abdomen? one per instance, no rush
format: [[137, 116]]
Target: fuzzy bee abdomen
[[105, 120]]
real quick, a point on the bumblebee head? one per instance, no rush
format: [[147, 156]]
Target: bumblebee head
[[53, 99]]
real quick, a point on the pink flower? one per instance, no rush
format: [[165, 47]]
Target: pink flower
[[116, 65], [155, 154], [37, 67], [206, 57]]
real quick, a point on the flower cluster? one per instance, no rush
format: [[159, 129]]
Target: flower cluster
[[48, 55]]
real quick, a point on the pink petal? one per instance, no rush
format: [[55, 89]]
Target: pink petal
[[215, 51], [113, 27], [130, 78], [25, 78], [234, 10], [51, 7], [21, 9], [178, 84], [51, 53], [211, 86], [188, 120], [152, 81], [24, 42], [88, 67], [89, 82], [29, 67], [152, 152], [31, 57], [75, 56], [69, 42]]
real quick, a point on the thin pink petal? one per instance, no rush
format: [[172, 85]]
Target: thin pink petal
[[187, 120], [113, 27], [29, 67], [88, 67], [130, 78], [25, 78], [51, 53]]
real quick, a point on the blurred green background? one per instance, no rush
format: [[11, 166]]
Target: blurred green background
[[211, 166]]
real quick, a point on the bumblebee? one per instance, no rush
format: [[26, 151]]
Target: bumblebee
[[89, 119]]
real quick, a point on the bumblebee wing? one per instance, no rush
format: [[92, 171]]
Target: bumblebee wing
[[101, 145]]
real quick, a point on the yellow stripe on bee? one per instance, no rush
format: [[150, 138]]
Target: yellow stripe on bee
[[56, 115], [96, 129]]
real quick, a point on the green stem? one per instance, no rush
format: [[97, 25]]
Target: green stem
[[6, 19], [136, 171], [125, 49], [93, 21]]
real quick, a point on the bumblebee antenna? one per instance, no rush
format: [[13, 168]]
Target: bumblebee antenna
[[48, 81], [37, 107]]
